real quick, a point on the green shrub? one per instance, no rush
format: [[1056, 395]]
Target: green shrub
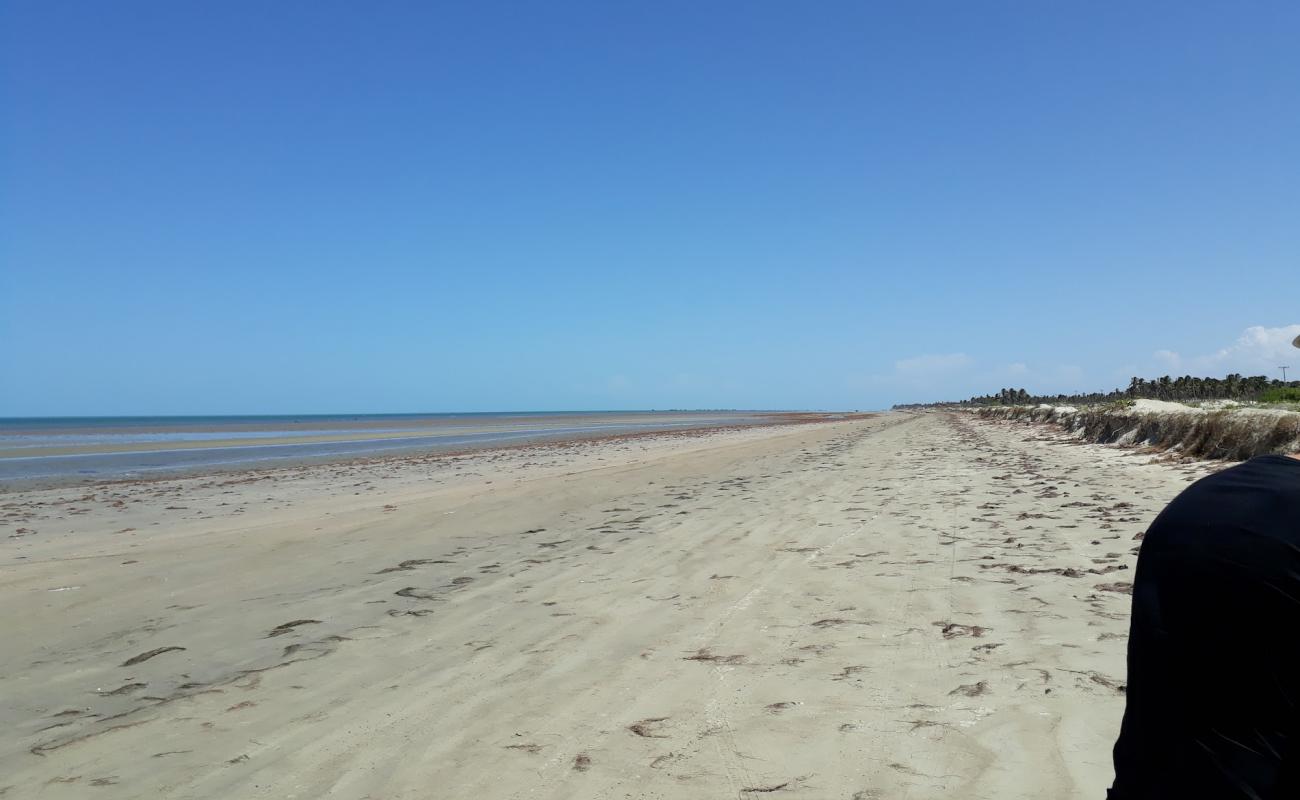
[[1282, 394]]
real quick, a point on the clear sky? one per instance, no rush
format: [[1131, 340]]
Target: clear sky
[[253, 207]]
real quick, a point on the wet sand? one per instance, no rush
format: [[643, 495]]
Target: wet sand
[[903, 606]]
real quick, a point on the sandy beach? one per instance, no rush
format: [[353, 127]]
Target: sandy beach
[[903, 606]]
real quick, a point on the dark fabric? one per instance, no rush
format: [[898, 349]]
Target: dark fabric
[[1214, 643]]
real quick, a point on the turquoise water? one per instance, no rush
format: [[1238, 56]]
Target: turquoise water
[[55, 450]]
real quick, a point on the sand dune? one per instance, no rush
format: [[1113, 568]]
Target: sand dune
[[907, 606]]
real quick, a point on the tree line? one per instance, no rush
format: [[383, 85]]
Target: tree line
[[1231, 387]]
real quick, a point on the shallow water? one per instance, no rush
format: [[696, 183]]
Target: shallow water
[[74, 449]]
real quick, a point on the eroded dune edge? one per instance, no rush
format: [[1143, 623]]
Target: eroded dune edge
[[1230, 433]]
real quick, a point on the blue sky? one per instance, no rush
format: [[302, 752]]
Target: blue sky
[[329, 207]]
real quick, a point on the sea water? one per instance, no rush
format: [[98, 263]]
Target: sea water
[[37, 450]]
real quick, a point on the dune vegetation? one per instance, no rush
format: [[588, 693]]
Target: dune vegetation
[[1235, 387], [1233, 433]]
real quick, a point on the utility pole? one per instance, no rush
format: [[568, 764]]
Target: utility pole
[[1284, 369]]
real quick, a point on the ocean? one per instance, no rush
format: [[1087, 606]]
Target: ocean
[[61, 450]]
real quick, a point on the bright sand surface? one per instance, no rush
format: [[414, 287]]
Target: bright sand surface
[[907, 606]]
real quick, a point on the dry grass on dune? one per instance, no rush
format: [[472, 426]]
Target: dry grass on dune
[[1233, 434]]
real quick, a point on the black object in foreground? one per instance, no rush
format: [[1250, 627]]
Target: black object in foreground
[[1213, 707]]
